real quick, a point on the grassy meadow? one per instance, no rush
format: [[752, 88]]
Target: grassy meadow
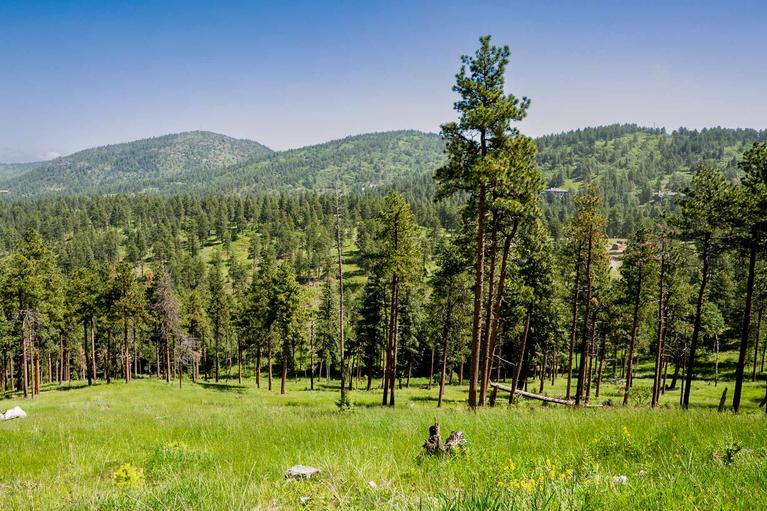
[[227, 446]]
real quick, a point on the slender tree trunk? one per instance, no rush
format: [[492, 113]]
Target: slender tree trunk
[[716, 360], [746, 326], [269, 362], [339, 249], [395, 343], [167, 360], [496, 307], [390, 372], [126, 348], [239, 361], [661, 331], [592, 354], [107, 357], [696, 326], [216, 335], [24, 364], [522, 350], [93, 348], [311, 355], [87, 353], [756, 339], [634, 333], [601, 364], [285, 355], [446, 327], [584, 342], [431, 368], [573, 324], [479, 282], [484, 360]]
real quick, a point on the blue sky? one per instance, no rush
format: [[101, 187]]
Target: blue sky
[[76, 74]]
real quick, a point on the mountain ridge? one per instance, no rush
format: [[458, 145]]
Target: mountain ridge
[[630, 159]]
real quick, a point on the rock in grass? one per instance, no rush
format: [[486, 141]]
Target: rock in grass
[[14, 413], [301, 472]]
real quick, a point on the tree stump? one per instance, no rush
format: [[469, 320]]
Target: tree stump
[[723, 400], [436, 446]]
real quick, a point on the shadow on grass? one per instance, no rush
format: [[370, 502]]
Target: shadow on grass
[[434, 399], [223, 387]]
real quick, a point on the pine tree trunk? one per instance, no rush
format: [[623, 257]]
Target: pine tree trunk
[[756, 339], [573, 325], [339, 249], [746, 326], [484, 360], [601, 364], [93, 348], [696, 326], [479, 282], [126, 349], [285, 355], [431, 368], [522, 350], [584, 341], [661, 331], [87, 351], [269, 362], [496, 307], [634, 333]]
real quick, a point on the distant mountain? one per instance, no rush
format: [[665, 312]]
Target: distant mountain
[[151, 164], [630, 162], [359, 162]]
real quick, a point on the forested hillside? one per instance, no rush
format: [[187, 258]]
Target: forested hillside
[[161, 163], [630, 163]]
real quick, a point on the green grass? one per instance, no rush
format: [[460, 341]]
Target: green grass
[[227, 446]]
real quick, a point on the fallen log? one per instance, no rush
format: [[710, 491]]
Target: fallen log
[[530, 395]]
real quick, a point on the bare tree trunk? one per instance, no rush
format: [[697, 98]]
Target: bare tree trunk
[[269, 362], [634, 332], [592, 354], [285, 355], [696, 326], [716, 361], [484, 360], [586, 315], [756, 339], [431, 368], [522, 349], [216, 335], [661, 331], [496, 308], [311, 355], [339, 249], [93, 349], [573, 324], [126, 349], [239, 361], [601, 364], [740, 369], [479, 282], [444, 367]]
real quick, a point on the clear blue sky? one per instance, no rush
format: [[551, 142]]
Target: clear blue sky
[[76, 74]]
